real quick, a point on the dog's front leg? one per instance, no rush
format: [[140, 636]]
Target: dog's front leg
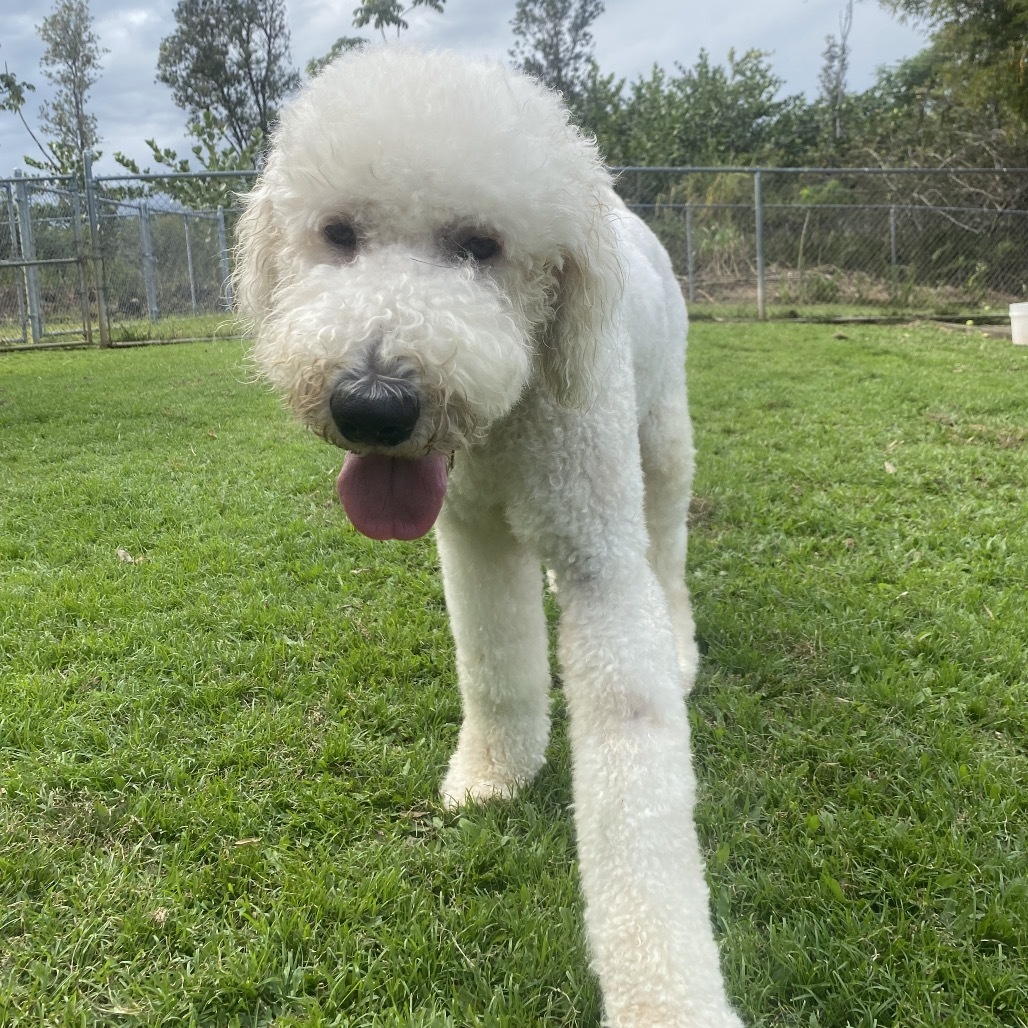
[[647, 905], [493, 589]]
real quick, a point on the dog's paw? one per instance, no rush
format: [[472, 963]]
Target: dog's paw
[[461, 790], [647, 1016], [475, 776], [496, 769]]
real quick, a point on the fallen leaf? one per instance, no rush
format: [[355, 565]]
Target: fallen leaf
[[415, 814]]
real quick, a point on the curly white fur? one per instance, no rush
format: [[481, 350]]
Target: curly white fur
[[432, 230]]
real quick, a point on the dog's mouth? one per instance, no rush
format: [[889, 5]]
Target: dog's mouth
[[392, 497]]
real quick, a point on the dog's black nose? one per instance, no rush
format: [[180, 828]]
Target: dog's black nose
[[374, 410]]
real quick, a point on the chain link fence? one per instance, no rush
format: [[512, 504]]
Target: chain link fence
[[162, 247], [161, 260], [123, 259], [815, 242]]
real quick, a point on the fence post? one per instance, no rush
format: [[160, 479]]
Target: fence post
[[189, 263], [28, 253], [99, 273], [80, 257], [149, 263], [892, 241], [12, 225], [689, 263], [226, 271], [758, 214]]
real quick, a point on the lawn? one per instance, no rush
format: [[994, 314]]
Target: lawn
[[224, 715]]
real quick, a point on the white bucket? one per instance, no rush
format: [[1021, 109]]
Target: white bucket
[[1019, 323]]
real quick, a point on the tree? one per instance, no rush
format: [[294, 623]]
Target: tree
[[600, 112], [912, 117], [712, 115], [12, 91], [228, 66], [230, 59], [833, 72], [71, 61], [212, 153], [381, 15], [984, 46], [552, 43], [342, 45], [389, 14]]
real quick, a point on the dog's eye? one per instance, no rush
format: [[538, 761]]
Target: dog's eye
[[478, 248], [341, 234]]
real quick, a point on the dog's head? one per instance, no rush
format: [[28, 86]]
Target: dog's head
[[429, 238]]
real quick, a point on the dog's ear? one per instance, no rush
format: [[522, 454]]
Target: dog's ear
[[589, 286], [258, 246]]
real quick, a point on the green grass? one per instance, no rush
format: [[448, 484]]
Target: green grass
[[859, 569], [223, 714]]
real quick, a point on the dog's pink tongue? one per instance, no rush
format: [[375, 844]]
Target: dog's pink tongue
[[391, 498]]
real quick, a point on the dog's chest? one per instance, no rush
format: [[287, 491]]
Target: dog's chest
[[504, 471], [483, 480]]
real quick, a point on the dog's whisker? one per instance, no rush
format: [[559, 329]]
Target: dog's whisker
[[431, 264]]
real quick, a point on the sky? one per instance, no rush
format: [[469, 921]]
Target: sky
[[630, 37]]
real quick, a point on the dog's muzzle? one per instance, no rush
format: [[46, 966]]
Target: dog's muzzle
[[387, 492], [374, 409]]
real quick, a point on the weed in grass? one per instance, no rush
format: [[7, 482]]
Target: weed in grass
[[213, 327], [218, 758]]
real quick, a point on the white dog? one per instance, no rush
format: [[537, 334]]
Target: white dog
[[442, 281]]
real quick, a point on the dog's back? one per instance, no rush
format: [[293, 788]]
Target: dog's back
[[654, 320]]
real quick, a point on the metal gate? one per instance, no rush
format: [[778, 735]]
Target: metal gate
[[45, 270]]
